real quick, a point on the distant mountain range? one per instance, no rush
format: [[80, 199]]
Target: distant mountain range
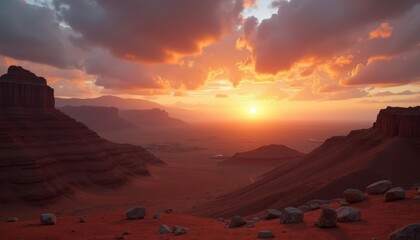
[[125, 104]]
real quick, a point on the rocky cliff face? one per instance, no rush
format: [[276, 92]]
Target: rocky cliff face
[[20, 87], [397, 121], [46, 155]]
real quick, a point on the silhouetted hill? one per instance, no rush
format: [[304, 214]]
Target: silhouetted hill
[[266, 155], [98, 118], [151, 118]]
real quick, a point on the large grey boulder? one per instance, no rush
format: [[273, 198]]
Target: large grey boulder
[[328, 217], [408, 232], [271, 214], [393, 194], [237, 221], [136, 213], [291, 215], [348, 214], [352, 195], [379, 187], [48, 219], [265, 234]]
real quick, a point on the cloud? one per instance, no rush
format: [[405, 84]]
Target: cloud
[[32, 32], [150, 31], [302, 29], [395, 71], [221, 95], [389, 93]]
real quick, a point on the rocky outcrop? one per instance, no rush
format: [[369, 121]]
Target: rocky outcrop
[[46, 155], [397, 121], [22, 88]]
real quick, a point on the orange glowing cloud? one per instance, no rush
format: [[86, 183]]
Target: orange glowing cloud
[[384, 31]]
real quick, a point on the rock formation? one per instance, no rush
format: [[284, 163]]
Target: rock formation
[[397, 121], [22, 88], [46, 155]]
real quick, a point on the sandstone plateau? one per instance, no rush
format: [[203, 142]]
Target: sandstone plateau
[[46, 155]]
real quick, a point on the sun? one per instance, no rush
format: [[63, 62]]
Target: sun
[[252, 110]]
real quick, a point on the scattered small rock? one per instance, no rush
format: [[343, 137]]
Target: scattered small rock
[[12, 219], [352, 195], [271, 214], [328, 217], [314, 206], [250, 225], [82, 219], [48, 219], [393, 194], [265, 234], [136, 213], [157, 216], [348, 214], [379, 187], [221, 219], [237, 221], [126, 233], [163, 229], [291, 215], [177, 230], [304, 208], [408, 232], [256, 219], [169, 210]]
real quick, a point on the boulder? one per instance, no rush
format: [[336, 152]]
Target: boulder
[[271, 214], [237, 221], [291, 215], [352, 195], [393, 194], [265, 234], [163, 229], [348, 214], [328, 217], [136, 213], [48, 219], [177, 230], [408, 232], [379, 187]]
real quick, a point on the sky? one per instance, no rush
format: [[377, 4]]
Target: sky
[[229, 59]]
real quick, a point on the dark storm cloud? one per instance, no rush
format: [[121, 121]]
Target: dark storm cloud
[[29, 32], [150, 31]]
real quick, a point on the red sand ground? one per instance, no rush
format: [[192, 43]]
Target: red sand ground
[[379, 218]]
